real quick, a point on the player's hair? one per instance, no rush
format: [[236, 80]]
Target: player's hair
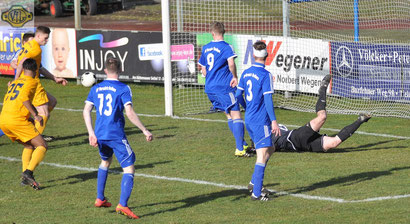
[[30, 64], [27, 36], [43, 29], [260, 45], [218, 27], [113, 65]]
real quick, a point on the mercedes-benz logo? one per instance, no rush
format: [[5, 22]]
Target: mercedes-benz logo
[[344, 61]]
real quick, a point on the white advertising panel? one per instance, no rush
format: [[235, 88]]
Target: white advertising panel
[[296, 64]]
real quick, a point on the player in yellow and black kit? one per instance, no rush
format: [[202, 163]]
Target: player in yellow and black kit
[[43, 101], [14, 120]]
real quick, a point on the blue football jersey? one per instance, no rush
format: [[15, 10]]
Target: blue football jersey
[[109, 99], [214, 58], [256, 81]]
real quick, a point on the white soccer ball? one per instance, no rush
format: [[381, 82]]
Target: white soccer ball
[[88, 79]]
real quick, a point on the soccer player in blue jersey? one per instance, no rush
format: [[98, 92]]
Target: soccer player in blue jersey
[[257, 85], [110, 98], [218, 67]]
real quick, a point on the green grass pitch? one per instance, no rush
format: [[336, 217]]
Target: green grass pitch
[[184, 152]]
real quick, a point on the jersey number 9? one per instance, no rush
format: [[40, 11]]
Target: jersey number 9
[[210, 60]]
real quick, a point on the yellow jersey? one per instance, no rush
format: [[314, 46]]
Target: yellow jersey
[[31, 49], [20, 90]]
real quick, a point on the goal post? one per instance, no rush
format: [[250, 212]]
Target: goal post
[[306, 39]]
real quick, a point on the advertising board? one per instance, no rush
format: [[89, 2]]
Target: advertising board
[[371, 71]]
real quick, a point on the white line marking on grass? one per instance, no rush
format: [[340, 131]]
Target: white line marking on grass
[[224, 121], [203, 182], [297, 126]]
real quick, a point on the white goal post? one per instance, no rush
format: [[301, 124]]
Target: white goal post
[[364, 45]]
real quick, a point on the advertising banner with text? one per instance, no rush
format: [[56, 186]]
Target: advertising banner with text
[[94, 47], [371, 71], [296, 64]]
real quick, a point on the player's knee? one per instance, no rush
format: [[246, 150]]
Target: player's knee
[[331, 143], [105, 163], [43, 110], [129, 169], [322, 115], [235, 115]]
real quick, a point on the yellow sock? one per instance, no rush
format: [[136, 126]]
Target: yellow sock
[[40, 128], [38, 156], [26, 157]]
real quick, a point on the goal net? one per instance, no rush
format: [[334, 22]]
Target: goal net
[[363, 44]]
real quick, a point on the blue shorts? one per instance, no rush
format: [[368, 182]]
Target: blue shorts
[[224, 101], [261, 135], [121, 148]]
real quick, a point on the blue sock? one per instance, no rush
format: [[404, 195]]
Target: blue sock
[[238, 133], [230, 124], [101, 180], [1, 133], [257, 178], [127, 184]]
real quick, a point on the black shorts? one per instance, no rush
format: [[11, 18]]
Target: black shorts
[[306, 139]]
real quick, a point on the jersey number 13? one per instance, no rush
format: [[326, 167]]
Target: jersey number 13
[[108, 103]]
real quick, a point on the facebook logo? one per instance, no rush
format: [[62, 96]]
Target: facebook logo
[[142, 51]]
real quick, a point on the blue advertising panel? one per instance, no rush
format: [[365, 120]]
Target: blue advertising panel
[[10, 45], [371, 71]]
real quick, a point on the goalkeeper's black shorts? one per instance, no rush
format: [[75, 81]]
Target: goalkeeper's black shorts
[[306, 139]]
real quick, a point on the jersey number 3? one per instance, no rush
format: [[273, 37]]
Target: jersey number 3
[[249, 96], [108, 103]]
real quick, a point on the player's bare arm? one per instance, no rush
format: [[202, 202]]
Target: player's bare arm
[[13, 63], [33, 111], [203, 70], [19, 68], [88, 123], [48, 75], [133, 117], [232, 68]]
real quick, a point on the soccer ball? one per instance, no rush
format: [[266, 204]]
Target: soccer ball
[[88, 79]]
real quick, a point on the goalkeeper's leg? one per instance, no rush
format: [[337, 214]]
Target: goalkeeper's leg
[[318, 122], [345, 133]]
